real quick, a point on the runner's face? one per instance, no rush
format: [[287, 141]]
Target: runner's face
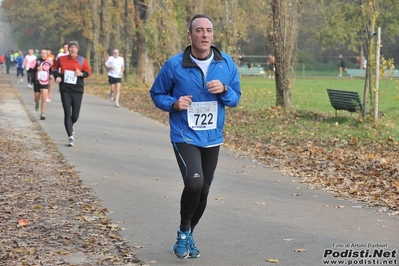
[[116, 53], [73, 50], [43, 54], [201, 35]]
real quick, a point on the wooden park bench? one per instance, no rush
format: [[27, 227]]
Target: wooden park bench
[[345, 100]]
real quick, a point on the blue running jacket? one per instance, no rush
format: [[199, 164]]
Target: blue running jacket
[[181, 76]]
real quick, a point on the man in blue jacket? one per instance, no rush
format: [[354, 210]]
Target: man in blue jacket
[[195, 86]]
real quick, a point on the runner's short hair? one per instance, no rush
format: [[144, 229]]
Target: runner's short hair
[[190, 26]]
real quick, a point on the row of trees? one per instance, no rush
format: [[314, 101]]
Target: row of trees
[[151, 31]]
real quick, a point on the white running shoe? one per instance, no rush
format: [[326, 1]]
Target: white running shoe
[[71, 141], [117, 104]]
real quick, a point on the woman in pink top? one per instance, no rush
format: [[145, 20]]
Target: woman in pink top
[[30, 64]]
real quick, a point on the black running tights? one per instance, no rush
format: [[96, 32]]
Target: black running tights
[[71, 102], [31, 75], [197, 166]]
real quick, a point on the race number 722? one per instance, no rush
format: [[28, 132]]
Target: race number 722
[[202, 115], [204, 119]]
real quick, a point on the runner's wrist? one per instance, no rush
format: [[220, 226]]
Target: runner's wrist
[[224, 88], [174, 106]]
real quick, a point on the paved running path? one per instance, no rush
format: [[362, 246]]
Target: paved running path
[[252, 215]]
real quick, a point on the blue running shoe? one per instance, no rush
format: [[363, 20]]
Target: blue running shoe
[[180, 248], [192, 247]]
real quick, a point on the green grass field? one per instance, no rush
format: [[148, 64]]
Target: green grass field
[[311, 94], [313, 109]]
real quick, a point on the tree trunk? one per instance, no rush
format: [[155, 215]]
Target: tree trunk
[[361, 55], [105, 25], [370, 13], [88, 51], [377, 74], [283, 37], [116, 39], [145, 67], [283, 88], [366, 89], [96, 36], [126, 49]]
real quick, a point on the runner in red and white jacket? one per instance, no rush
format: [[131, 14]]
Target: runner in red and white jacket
[[69, 72]]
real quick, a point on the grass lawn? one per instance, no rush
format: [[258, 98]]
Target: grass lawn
[[310, 93], [310, 100]]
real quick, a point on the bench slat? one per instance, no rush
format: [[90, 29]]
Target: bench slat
[[345, 100]]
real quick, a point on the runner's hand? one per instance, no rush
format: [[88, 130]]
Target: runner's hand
[[215, 86], [182, 103]]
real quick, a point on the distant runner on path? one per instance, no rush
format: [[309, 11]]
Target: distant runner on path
[[115, 65], [41, 81]]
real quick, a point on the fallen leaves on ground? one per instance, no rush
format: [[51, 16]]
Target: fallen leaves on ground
[[48, 217], [363, 170]]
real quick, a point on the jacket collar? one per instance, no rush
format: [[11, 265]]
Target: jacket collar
[[187, 62]]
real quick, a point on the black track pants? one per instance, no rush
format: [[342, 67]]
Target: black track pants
[[31, 75], [71, 102], [197, 166]]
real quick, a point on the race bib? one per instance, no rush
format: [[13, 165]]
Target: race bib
[[202, 115], [70, 77], [42, 75]]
